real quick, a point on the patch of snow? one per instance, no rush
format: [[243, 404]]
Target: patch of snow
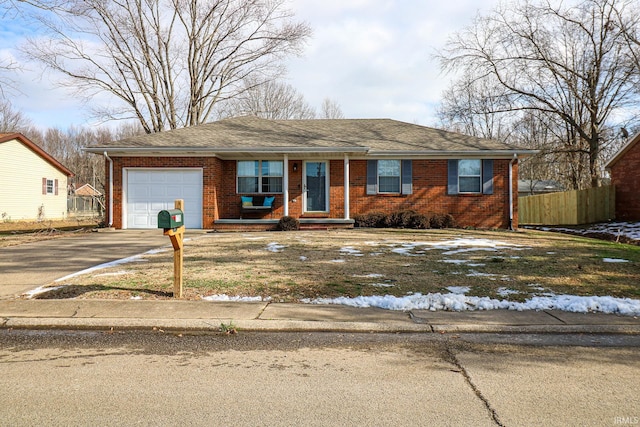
[[350, 250], [463, 250], [223, 297], [134, 258], [275, 247], [504, 292], [473, 273], [303, 258], [372, 275], [630, 230], [137, 297], [337, 260], [615, 260], [115, 273], [157, 251], [463, 261], [458, 290], [41, 290], [457, 302], [404, 250], [382, 285]]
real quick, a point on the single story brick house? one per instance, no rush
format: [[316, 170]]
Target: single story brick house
[[624, 168], [33, 184], [323, 172]]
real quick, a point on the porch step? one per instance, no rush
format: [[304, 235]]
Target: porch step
[[313, 227]]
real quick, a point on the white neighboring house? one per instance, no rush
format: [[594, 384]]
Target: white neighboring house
[[33, 185]]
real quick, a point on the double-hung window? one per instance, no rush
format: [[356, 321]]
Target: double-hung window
[[470, 176], [260, 176], [49, 186], [389, 176]]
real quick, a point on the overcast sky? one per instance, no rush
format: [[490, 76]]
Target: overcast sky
[[373, 57]]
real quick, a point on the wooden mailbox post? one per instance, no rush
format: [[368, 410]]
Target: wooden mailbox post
[[173, 224]]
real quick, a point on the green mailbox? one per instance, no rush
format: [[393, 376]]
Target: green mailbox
[[171, 218]]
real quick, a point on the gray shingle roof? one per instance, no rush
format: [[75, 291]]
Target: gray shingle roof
[[247, 133]]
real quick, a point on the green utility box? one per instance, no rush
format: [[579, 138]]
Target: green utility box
[[171, 218]]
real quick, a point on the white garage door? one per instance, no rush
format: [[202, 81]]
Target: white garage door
[[151, 190]]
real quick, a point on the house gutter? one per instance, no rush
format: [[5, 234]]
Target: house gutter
[[513, 160], [106, 156]]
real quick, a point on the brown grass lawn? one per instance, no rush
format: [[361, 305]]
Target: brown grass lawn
[[288, 266]]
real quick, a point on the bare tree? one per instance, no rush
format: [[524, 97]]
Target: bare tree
[[330, 109], [477, 106], [270, 100], [169, 62], [12, 120], [568, 62]]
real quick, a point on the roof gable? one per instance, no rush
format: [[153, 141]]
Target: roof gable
[[625, 148], [5, 137]]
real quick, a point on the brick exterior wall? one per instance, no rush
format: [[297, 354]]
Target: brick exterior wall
[[220, 200], [626, 178]]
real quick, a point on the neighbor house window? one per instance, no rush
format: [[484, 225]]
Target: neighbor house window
[[470, 176], [49, 186], [260, 176], [388, 176]]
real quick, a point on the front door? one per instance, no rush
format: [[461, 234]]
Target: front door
[[316, 186]]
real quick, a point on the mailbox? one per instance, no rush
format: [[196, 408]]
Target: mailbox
[[172, 218]]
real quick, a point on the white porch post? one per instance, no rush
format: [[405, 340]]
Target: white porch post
[[285, 184], [346, 187]]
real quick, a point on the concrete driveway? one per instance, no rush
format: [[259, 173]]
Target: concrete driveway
[[25, 267]]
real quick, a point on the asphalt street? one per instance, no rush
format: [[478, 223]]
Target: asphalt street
[[311, 379]]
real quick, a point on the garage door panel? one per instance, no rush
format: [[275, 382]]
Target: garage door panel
[[151, 190]]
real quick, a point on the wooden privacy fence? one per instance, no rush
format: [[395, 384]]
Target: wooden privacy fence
[[568, 207]]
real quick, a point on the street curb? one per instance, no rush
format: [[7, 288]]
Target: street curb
[[214, 325]]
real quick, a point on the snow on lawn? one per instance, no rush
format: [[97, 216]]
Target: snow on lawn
[[630, 230], [134, 258], [227, 298], [275, 247], [455, 300], [455, 246], [615, 260], [460, 302]]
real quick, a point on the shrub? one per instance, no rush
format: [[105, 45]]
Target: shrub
[[370, 220], [288, 223], [442, 221], [403, 219], [420, 222]]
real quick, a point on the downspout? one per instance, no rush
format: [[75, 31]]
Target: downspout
[[515, 158], [106, 156]]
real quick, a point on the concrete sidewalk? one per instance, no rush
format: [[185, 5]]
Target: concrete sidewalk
[[262, 316]]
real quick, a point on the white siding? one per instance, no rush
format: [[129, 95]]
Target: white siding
[[21, 173]]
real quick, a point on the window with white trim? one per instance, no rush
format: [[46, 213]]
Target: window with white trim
[[389, 176], [470, 176], [260, 176], [50, 186]]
